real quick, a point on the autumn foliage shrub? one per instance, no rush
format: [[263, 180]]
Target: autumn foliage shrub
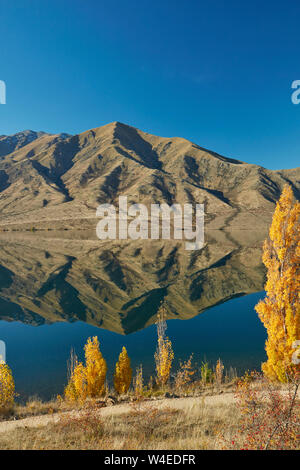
[[184, 375], [87, 381], [270, 415], [123, 373]]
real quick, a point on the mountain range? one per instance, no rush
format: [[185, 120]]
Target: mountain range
[[57, 181]]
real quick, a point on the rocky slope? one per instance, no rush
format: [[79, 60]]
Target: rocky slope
[[57, 181]]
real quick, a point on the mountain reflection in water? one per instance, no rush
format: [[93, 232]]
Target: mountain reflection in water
[[119, 286]]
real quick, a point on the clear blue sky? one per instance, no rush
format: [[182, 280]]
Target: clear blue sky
[[216, 72]]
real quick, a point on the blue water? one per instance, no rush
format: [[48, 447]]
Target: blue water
[[38, 354]]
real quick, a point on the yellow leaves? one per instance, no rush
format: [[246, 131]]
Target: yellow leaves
[[164, 358], [96, 368], [279, 311], [89, 380], [77, 386], [164, 354], [7, 387], [123, 373]]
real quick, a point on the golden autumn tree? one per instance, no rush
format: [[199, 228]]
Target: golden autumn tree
[[280, 310], [123, 373], [7, 387], [96, 368], [164, 353], [77, 386], [87, 380]]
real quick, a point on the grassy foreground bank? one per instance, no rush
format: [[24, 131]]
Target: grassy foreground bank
[[251, 415]]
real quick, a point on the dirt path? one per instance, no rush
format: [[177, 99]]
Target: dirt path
[[184, 404]]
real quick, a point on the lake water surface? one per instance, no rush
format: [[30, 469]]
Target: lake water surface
[[54, 294]]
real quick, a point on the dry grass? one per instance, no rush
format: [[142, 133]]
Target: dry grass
[[34, 407], [260, 415], [144, 426]]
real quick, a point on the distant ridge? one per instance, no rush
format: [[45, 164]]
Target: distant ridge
[[57, 181]]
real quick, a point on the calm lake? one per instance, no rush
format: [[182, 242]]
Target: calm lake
[[54, 294]]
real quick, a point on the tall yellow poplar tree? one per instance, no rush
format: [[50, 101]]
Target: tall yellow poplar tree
[[280, 310], [123, 373], [96, 368], [7, 387], [164, 353]]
